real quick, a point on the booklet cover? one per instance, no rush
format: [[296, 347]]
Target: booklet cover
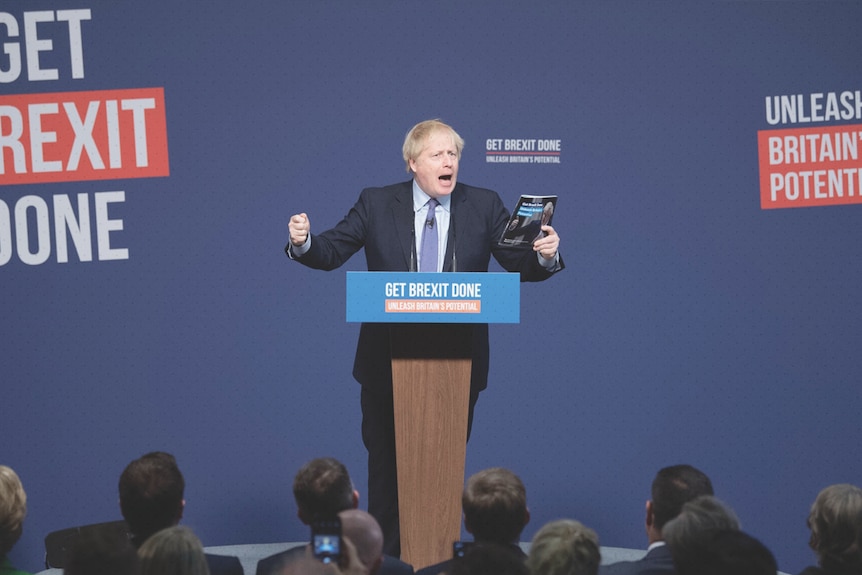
[[528, 217]]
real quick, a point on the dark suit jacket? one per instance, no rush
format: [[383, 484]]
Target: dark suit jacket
[[446, 566], [224, 565], [656, 562], [274, 563], [382, 222]]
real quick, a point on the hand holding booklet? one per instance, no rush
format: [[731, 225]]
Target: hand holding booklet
[[528, 217]]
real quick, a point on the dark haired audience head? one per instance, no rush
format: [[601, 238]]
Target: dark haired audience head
[[672, 488], [725, 552], [489, 559], [564, 547], [835, 521], [495, 506], [102, 553], [151, 494], [322, 487], [13, 509]]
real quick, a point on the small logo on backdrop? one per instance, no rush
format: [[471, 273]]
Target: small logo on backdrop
[[522, 151], [804, 167]]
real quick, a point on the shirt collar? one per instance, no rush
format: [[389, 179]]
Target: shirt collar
[[420, 198]]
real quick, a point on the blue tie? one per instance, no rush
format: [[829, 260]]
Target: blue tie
[[428, 251]]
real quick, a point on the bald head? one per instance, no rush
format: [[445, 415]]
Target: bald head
[[365, 534]]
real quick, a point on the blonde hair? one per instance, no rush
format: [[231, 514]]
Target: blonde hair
[[414, 141], [13, 509], [173, 551], [564, 547]]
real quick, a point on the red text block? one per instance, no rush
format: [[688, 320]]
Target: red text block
[[79, 136]]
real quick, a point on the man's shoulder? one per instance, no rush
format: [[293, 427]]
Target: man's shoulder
[[655, 562], [274, 562], [436, 568], [382, 191], [475, 191], [394, 566]]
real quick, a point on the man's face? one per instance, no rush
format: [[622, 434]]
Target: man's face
[[436, 167]]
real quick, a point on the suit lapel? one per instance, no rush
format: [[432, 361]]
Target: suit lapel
[[402, 221], [458, 216]]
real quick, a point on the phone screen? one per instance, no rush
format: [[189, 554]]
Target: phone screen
[[326, 540]]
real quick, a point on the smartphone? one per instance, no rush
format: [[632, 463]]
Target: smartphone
[[460, 548], [326, 539]]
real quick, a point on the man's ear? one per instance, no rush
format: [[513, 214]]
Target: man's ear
[[526, 516], [181, 509], [650, 514], [355, 499], [467, 527], [302, 517]]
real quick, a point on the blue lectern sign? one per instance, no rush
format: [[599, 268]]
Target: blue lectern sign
[[411, 297]]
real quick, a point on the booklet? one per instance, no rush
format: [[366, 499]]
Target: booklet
[[528, 217]]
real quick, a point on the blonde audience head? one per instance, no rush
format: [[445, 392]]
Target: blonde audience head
[[13, 509], [173, 551], [564, 547]]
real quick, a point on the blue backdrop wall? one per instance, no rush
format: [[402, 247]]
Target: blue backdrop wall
[[705, 316]]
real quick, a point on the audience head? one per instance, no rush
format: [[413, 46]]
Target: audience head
[[700, 514], [495, 506], [151, 494], [364, 532], [102, 552], [322, 487], [725, 552], [489, 559], [672, 488], [173, 551], [564, 547], [835, 521], [13, 509]]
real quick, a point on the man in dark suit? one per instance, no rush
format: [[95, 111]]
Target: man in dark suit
[[323, 488], [389, 223], [151, 499], [672, 488], [495, 513]]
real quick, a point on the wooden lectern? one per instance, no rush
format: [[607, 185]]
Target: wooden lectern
[[431, 368], [431, 346]]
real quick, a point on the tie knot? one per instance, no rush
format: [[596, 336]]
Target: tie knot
[[432, 204]]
